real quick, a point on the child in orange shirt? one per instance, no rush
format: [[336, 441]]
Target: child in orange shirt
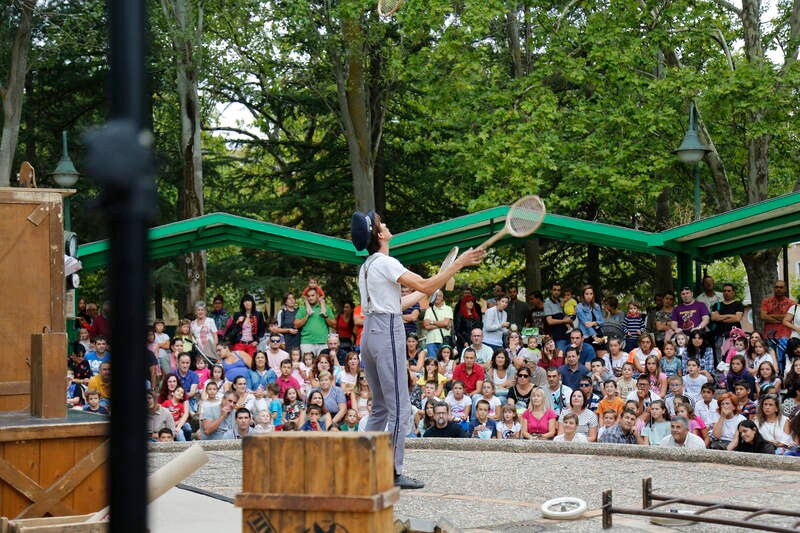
[[611, 401]]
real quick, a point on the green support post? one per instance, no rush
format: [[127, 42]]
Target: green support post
[[684, 271]]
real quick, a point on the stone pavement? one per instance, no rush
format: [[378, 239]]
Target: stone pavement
[[496, 486]]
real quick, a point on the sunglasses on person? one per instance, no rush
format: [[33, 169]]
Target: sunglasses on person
[[274, 340], [523, 375]]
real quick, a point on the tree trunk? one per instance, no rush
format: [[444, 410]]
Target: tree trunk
[[762, 272], [663, 281], [533, 267], [512, 33], [12, 92], [353, 100], [185, 19]]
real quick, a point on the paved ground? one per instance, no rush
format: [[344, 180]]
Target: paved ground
[[480, 490]]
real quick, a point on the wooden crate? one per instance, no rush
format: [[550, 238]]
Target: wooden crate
[[53, 467], [31, 281], [309, 481]]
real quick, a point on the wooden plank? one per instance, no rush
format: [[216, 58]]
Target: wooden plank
[[67, 483], [12, 388], [100, 428], [24, 277], [32, 196], [39, 213], [56, 457], [91, 494], [56, 261], [47, 371], [316, 502], [19, 470], [17, 402]]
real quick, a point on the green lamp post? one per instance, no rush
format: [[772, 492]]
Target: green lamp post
[[691, 151], [65, 175]]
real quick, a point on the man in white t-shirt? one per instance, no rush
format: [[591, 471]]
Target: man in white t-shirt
[[680, 436], [558, 392]]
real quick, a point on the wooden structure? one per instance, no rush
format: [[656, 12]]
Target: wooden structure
[[32, 285], [310, 481], [52, 467], [51, 460]]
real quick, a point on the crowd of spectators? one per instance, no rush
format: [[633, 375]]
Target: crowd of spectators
[[568, 367]]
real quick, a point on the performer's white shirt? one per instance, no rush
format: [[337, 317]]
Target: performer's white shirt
[[384, 289]]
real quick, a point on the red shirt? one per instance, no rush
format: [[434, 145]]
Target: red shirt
[[470, 380], [176, 410], [285, 383], [775, 306]]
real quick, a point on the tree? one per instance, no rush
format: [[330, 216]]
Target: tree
[[11, 92], [184, 22]]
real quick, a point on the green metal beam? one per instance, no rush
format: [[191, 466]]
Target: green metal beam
[[731, 217], [757, 242], [759, 228]]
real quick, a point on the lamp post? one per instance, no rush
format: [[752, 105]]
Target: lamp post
[[691, 151], [65, 175]]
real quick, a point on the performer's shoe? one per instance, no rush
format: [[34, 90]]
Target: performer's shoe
[[405, 482]]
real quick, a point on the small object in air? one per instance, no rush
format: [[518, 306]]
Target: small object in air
[[451, 257], [387, 7], [523, 218], [565, 508]]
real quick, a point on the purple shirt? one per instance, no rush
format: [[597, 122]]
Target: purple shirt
[[689, 316]]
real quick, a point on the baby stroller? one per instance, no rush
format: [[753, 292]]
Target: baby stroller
[[779, 345]]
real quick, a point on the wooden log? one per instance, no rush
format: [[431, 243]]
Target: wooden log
[[309, 481], [48, 375]]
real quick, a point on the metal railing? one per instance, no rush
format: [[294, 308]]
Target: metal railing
[[649, 509]]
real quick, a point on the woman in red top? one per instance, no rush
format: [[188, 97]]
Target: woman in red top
[[180, 414], [551, 357], [466, 319], [345, 325]]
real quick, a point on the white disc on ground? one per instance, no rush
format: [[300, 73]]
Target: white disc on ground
[[565, 508]]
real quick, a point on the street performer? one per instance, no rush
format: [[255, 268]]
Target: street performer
[[383, 340]]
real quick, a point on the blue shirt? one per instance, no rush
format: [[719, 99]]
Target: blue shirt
[[584, 314], [256, 380], [491, 427], [276, 407], [95, 360], [572, 379], [188, 380], [587, 354]]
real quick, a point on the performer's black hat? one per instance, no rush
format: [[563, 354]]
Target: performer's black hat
[[361, 229]]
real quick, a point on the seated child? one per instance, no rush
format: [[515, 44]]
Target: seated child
[[350, 422], [93, 403], [263, 422], [608, 419]]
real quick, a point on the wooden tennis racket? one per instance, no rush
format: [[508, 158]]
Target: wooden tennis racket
[[451, 283], [523, 218], [387, 7]]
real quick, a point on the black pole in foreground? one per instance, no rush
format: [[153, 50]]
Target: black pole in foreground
[[120, 159]]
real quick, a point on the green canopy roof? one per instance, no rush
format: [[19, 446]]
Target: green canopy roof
[[770, 223]]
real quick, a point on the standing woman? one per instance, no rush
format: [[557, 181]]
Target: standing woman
[[379, 281], [247, 327], [284, 323], [467, 319], [345, 325], [204, 330], [590, 320]]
